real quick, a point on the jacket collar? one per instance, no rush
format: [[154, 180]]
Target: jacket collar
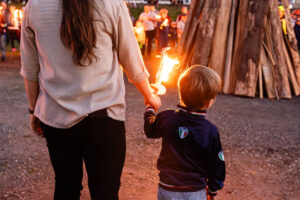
[[201, 113]]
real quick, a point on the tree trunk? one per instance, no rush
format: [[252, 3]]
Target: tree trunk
[[251, 51], [218, 54], [240, 35], [205, 33], [292, 47], [260, 79], [291, 71], [190, 31], [280, 69], [268, 75], [229, 50], [243, 41]]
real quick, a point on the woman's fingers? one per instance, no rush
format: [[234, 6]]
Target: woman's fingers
[[36, 126], [154, 101]]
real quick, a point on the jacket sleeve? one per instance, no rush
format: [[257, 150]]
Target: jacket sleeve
[[151, 124], [216, 165]]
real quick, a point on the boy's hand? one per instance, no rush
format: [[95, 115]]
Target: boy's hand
[[211, 196]]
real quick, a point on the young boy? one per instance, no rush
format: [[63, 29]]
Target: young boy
[[191, 157]]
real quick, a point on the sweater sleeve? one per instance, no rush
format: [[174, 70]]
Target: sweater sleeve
[[30, 66], [216, 165], [151, 124], [129, 53]]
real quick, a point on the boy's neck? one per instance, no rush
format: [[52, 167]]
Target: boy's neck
[[192, 111]]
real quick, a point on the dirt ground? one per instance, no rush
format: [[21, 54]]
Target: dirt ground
[[261, 141]]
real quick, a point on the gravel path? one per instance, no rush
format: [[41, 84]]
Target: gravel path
[[261, 141]]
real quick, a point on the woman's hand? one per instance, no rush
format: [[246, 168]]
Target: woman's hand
[[32, 92], [35, 126], [209, 197], [153, 101], [150, 97]]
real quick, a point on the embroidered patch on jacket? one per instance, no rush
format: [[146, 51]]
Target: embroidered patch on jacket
[[221, 156], [183, 132]]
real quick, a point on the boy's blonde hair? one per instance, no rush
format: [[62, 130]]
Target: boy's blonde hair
[[197, 85]]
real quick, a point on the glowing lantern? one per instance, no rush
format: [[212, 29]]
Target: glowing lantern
[[158, 17], [138, 30], [165, 23]]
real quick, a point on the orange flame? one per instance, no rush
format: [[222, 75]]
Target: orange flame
[[167, 67]]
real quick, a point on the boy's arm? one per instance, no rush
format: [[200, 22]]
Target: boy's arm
[[151, 123], [216, 168]]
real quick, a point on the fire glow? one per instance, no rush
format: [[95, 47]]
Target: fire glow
[[167, 67], [20, 14], [17, 17]]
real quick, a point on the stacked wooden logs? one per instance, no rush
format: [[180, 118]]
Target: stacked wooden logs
[[243, 41]]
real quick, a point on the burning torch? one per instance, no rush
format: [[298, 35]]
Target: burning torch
[[166, 66]]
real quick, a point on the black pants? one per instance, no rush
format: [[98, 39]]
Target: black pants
[[149, 38], [99, 141]]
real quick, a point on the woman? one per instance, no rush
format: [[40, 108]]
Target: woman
[[70, 51]]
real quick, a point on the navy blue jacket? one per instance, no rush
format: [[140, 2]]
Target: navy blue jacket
[[191, 156]]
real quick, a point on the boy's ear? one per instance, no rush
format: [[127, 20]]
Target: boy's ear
[[210, 102]]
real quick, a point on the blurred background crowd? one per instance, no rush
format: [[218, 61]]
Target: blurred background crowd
[[156, 25], [11, 15]]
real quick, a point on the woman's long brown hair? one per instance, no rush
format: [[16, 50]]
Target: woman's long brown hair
[[77, 30]]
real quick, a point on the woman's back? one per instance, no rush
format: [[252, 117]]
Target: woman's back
[[71, 51], [69, 92]]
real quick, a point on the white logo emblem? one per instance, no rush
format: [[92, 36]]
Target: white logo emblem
[[183, 132], [221, 156]]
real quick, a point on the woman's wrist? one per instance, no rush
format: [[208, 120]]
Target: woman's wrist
[[31, 111], [149, 96], [145, 89]]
